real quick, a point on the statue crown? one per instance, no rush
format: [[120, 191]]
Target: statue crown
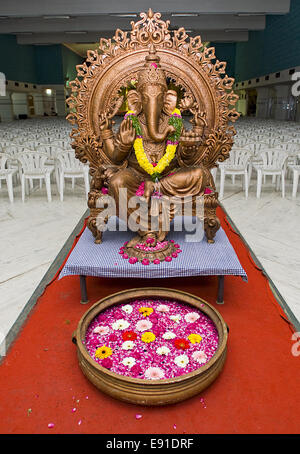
[[152, 72]]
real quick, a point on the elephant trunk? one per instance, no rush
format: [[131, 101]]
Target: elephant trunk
[[152, 120]]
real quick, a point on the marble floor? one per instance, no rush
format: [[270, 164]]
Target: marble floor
[[33, 232]]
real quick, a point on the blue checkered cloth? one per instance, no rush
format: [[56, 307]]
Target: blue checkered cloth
[[196, 259]]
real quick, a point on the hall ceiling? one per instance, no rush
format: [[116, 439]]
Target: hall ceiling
[[81, 23]]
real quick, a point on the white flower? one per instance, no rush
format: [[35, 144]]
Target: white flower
[[163, 350], [199, 356], [163, 308], [129, 361], [181, 360], [127, 308], [120, 324], [175, 318], [169, 335], [128, 345], [191, 317]]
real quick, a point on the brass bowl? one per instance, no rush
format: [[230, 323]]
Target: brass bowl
[[151, 392]]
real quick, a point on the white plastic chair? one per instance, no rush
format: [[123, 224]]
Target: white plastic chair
[[7, 173], [273, 163], [70, 167], [296, 172], [34, 167], [237, 164]]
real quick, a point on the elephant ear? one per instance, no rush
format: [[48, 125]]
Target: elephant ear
[[170, 101], [134, 101]]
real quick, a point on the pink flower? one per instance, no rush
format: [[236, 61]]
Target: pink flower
[[208, 191], [107, 363], [178, 250], [143, 325], [113, 337], [125, 256], [153, 318], [136, 369], [199, 356], [154, 373], [191, 317], [174, 254], [145, 262], [101, 330], [156, 262], [104, 190], [176, 245], [168, 259], [132, 260], [162, 308]]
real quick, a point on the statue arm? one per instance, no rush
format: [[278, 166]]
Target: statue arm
[[116, 147]]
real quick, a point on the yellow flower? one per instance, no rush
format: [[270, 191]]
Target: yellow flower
[[194, 338], [146, 311], [103, 352], [148, 337]]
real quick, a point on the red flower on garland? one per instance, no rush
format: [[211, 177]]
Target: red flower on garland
[[181, 344], [129, 335]]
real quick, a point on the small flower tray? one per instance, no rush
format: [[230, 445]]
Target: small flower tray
[[151, 346]]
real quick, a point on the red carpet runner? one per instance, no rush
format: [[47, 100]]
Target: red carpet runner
[[257, 392]]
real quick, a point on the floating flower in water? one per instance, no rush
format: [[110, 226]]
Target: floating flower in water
[[107, 363], [143, 325], [199, 356], [129, 335], [169, 335], [101, 330], [162, 308], [148, 337], [113, 337], [181, 361], [129, 361], [163, 350], [120, 324], [136, 370], [154, 373], [103, 352], [191, 317], [181, 344], [127, 308], [175, 318], [145, 311], [194, 338], [128, 345]]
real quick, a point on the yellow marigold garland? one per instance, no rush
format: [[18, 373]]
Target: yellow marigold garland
[[156, 170]]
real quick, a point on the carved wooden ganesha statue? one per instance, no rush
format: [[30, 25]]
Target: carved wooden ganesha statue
[[159, 81]]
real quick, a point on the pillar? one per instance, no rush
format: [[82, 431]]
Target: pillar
[[282, 102]]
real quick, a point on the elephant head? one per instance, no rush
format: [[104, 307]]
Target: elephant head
[[152, 97]]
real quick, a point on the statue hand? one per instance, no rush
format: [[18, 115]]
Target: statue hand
[[104, 122], [200, 119], [186, 103], [127, 132]]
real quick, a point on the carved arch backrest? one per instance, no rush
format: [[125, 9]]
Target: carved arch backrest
[[194, 68]]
